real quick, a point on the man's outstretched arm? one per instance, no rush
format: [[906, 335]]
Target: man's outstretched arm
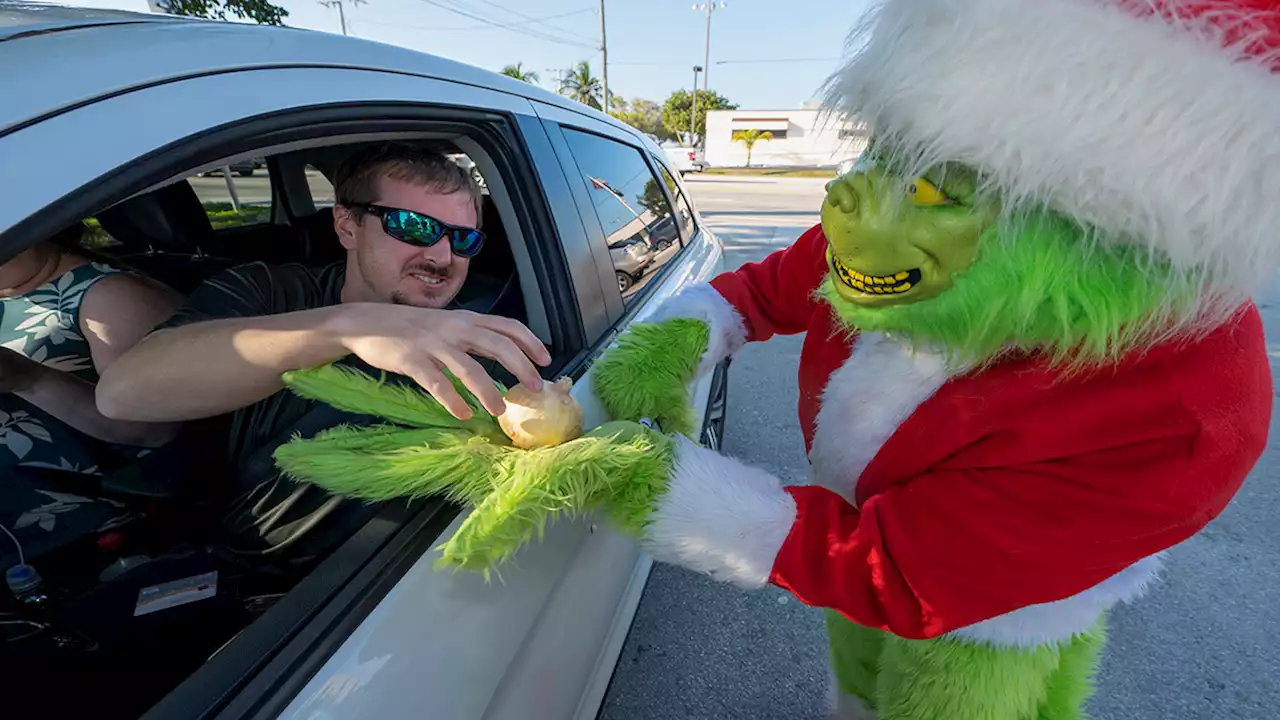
[[229, 346]]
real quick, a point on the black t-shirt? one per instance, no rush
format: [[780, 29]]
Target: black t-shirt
[[256, 290]]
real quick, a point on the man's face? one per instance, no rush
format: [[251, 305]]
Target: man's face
[[381, 268]]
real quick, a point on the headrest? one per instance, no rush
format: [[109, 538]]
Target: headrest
[[170, 219]]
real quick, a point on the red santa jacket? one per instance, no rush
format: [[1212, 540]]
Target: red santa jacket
[[1008, 488]]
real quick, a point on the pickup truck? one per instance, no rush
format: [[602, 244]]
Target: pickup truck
[[686, 159]]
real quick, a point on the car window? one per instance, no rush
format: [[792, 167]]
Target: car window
[[683, 214], [639, 226], [235, 200]]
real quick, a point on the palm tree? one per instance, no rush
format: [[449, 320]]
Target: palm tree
[[579, 84], [750, 137], [518, 72]]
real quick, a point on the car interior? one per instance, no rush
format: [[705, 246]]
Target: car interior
[[155, 533]]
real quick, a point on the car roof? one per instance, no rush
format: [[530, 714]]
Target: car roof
[[100, 53]]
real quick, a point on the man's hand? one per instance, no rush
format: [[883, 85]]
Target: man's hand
[[421, 343], [18, 373]]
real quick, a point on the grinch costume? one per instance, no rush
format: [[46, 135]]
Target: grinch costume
[[1031, 364]]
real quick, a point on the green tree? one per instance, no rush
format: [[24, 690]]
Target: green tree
[[678, 109], [259, 11], [750, 138], [653, 199], [643, 115], [518, 72], [578, 83]]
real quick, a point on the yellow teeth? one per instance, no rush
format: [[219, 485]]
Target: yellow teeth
[[894, 284]]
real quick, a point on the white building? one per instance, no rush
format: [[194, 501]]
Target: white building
[[805, 137]]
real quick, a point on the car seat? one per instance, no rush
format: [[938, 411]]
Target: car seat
[[165, 233]]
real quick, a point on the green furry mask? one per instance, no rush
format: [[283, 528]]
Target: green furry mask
[[935, 258]]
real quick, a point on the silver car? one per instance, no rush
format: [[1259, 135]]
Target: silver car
[[113, 119]]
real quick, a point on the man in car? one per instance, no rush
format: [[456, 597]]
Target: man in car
[[408, 219]]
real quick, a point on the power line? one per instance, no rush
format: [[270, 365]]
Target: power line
[[467, 28], [508, 26], [776, 60], [543, 21]]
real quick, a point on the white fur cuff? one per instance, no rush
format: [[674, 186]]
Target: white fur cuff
[[702, 302], [720, 517]]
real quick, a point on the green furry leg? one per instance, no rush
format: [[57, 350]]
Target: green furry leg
[[855, 656], [1072, 685], [948, 678], [958, 680], [951, 679]]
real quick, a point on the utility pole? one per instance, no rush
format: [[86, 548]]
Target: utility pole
[[604, 48], [693, 117], [709, 6], [342, 15]]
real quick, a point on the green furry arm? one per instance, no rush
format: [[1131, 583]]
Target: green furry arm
[[648, 373]]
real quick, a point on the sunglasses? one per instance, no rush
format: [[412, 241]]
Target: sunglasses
[[415, 228]]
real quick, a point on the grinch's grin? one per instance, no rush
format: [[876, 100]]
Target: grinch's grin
[[894, 284]]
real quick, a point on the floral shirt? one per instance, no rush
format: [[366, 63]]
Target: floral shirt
[[44, 325]]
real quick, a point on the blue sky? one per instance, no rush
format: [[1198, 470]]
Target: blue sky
[[776, 55]]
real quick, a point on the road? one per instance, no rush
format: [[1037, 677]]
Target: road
[[1201, 647]]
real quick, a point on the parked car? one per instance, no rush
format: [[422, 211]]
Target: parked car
[[244, 167], [137, 105]]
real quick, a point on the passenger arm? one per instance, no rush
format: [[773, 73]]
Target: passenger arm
[[114, 315]]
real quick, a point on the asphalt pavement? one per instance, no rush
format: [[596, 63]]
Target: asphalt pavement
[[1202, 646]]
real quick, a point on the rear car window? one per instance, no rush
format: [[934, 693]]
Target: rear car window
[[640, 229]]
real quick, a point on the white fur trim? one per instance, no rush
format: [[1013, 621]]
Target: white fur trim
[[1061, 620], [865, 401], [1144, 127], [720, 517], [728, 332]]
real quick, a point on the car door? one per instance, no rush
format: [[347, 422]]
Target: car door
[[566, 660], [376, 631]]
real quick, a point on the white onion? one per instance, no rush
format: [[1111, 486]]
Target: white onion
[[541, 419]]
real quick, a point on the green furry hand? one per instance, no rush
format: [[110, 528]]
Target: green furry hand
[[620, 468], [648, 373]]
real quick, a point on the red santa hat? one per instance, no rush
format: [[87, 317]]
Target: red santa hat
[[1155, 121]]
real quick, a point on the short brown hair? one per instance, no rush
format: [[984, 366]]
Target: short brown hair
[[356, 181]]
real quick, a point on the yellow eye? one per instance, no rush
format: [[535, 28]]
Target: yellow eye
[[923, 193]]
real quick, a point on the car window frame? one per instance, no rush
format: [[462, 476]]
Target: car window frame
[[660, 164], [331, 601]]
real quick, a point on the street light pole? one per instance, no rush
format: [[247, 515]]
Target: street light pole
[[342, 15], [693, 117], [604, 49], [709, 6]]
